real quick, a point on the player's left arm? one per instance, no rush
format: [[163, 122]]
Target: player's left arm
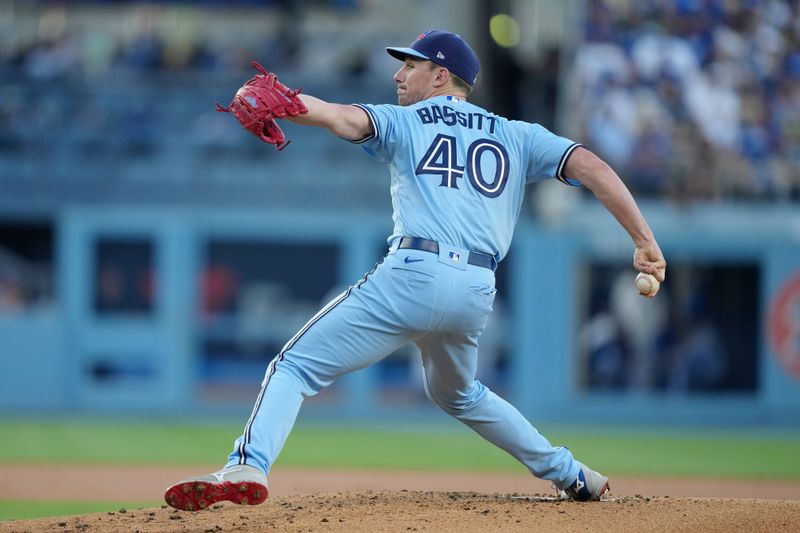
[[600, 178], [346, 121]]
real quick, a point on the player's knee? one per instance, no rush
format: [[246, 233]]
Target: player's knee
[[450, 407], [307, 380], [453, 407], [456, 402]]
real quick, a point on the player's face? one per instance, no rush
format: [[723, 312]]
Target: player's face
[[414, 81]]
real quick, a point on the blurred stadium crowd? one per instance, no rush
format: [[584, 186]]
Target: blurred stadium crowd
[[694, 99], [130, 89], [688, 99], [151, 36]]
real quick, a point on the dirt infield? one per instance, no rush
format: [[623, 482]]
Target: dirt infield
[[310, 500]]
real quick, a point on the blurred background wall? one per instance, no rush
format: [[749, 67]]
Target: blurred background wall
[[154, 257]]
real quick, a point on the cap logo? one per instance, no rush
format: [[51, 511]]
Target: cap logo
[[421, 36], [439, 55]]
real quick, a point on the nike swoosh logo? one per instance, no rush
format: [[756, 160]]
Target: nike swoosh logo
[[412, 260], [220, 475]]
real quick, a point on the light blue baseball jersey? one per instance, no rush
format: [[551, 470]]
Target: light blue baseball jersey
[[458, 176], [458, 172]]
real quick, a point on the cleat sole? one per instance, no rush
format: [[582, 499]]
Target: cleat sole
[[198, 495]]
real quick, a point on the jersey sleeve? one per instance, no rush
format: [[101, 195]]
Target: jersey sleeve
[[548, 154], [385, 126]]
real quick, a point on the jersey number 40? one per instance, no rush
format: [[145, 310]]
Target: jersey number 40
[[442, 159]]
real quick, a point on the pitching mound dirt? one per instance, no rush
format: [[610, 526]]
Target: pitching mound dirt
[[304, 500], [403, 511]]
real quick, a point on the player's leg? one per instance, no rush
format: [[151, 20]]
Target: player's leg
[[449, 362], [450, 358], [356, 329], [327, 347]]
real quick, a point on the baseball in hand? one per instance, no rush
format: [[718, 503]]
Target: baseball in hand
[[647, 284]]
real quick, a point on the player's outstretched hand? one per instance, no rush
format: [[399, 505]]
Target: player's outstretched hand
[[648, 258], [260, 101]]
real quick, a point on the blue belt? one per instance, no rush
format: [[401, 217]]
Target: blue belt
[[425, 245]]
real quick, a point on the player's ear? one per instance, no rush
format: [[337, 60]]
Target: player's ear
[[442, 77]]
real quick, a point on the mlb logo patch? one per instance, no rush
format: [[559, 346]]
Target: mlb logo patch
[[455, 257]]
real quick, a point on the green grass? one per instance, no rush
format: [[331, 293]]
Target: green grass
[[694, 453], [724, 453], [745, 453], [700, 454], [113, 442], [23, 509]]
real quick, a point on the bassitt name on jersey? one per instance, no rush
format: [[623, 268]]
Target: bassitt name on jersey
[[448, 116]]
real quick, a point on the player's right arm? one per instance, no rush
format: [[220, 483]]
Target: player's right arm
[[606, 185], [346, 121]]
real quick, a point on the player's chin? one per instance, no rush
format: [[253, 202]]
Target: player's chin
[[403, 98], [405, 101]]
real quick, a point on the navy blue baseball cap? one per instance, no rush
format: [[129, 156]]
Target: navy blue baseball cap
[[446, 49]]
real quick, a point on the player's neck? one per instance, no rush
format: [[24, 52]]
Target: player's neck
[[448, 91]]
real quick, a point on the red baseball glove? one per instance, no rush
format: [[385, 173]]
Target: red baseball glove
[[260, 101]]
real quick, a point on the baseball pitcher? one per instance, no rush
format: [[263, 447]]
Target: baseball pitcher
[[458, 173]]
